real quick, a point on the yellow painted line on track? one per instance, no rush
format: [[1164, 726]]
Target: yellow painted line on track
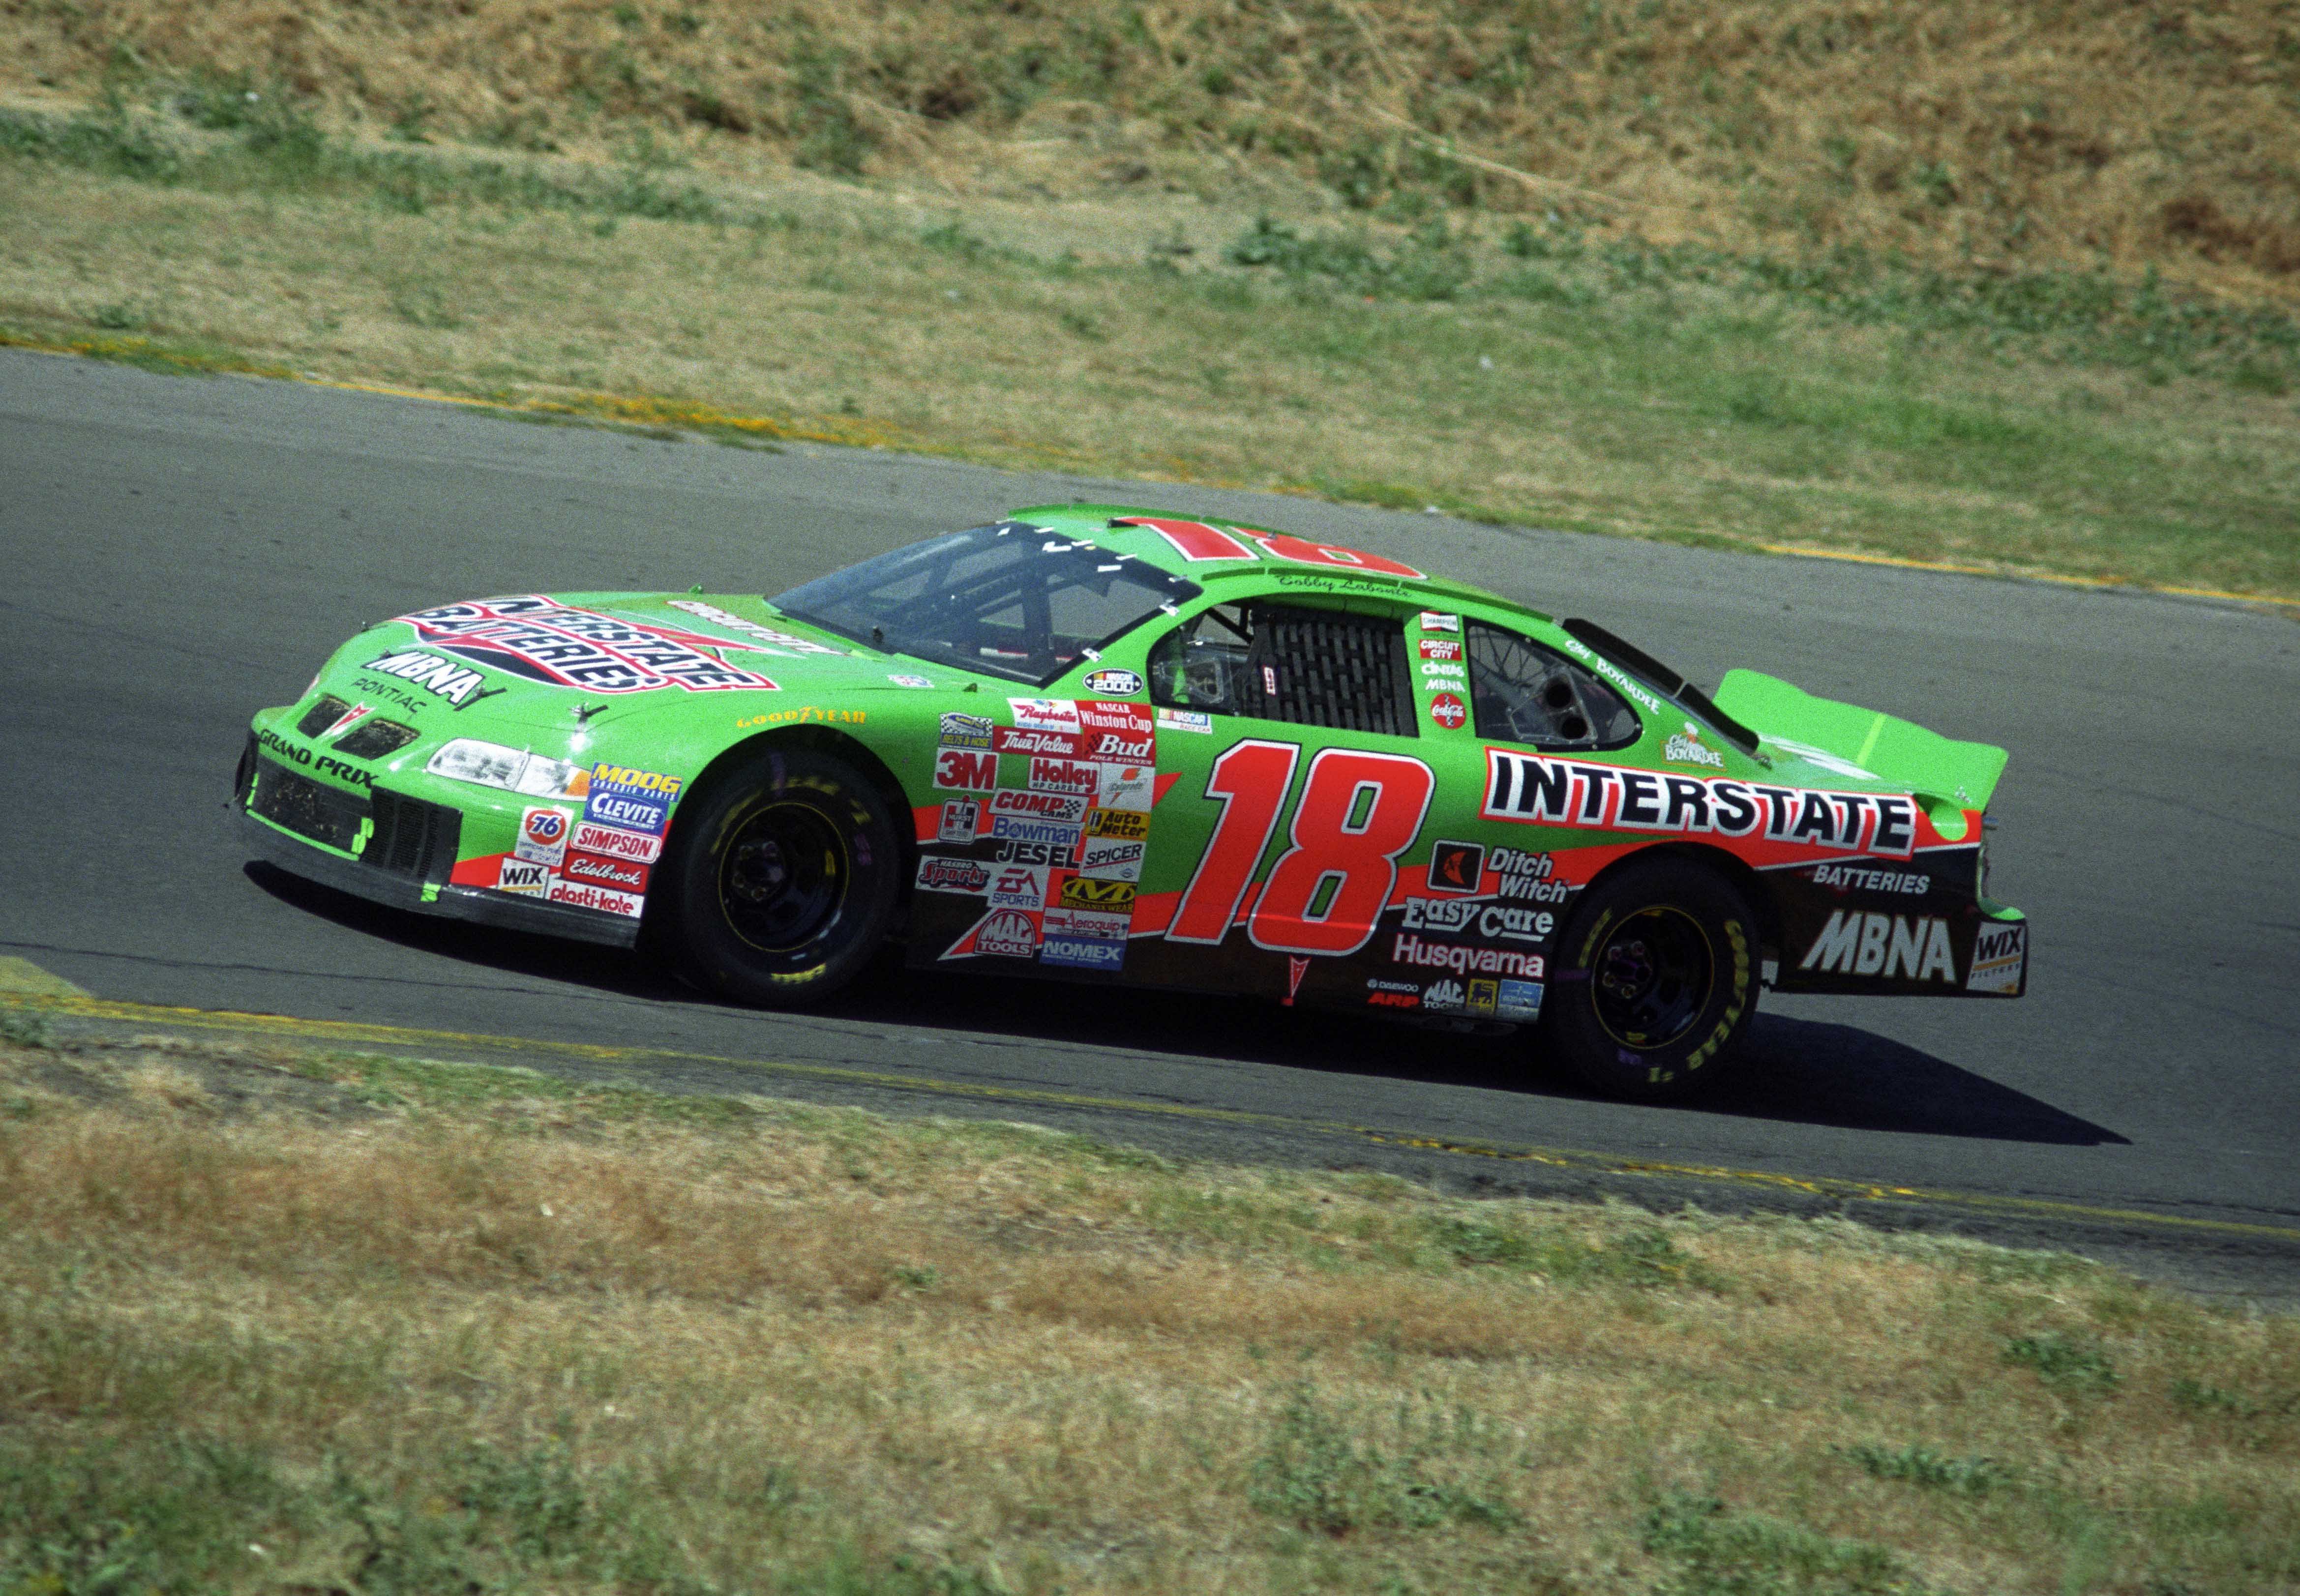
[[1826, 1187], [644, 410]]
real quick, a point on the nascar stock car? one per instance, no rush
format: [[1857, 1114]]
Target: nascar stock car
[[1111, 745]]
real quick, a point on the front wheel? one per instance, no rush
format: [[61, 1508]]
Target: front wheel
[[1655, 982], [783, 883]]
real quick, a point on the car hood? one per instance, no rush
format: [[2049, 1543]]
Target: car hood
[[539, 656]]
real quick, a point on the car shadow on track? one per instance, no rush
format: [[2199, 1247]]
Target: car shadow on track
[[1797, 1071]]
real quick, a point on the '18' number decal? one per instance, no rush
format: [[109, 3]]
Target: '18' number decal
[[1357, 813]]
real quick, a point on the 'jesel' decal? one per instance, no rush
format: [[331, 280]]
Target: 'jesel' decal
[[546, 641], [1547, 792]]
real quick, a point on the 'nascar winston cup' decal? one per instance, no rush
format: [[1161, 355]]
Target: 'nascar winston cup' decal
[[545, 641], [1546, 792]]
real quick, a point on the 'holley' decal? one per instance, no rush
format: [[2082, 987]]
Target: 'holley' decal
[[541, 639]]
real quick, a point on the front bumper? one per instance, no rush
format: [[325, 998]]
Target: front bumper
[[395, 857]]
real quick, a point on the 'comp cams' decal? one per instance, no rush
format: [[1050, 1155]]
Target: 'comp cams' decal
[[1546, 792], [545, 641]]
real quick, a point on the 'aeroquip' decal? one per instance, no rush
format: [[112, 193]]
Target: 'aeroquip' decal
[[546, 641]]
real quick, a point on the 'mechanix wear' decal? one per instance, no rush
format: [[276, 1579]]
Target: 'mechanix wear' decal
[[544, 641], [1889, 946], [1548, 791]]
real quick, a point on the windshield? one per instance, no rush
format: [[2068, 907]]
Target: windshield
[[1011, 600]]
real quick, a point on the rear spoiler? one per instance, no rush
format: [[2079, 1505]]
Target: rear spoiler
[[1900, 751]]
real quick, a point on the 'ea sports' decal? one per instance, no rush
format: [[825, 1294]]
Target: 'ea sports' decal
[[543, 835], [1448, 711]]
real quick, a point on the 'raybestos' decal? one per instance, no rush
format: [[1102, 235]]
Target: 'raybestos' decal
[[546, 641]]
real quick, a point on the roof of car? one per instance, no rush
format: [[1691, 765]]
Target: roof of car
[[1213, 549]]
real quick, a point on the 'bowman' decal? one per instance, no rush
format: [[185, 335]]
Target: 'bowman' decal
[[1546, 792], [544, 641]]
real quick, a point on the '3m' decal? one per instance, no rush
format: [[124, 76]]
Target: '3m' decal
[[1358, 811]]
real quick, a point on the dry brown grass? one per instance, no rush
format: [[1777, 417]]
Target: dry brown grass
[[458, 1325], [1963, 130]]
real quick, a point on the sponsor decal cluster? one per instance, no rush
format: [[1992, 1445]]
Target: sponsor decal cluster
[[1498, 998], [567, 859], [1541, 791], [543, 640], [1063, 791]]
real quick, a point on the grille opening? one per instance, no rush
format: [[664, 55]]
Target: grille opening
[[325, 712], [412, 838], [304, 807], [372, 739]]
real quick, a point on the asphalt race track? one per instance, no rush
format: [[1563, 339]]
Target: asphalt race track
[[180, 551]]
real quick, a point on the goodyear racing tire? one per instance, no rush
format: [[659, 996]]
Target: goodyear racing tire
[[1655, 981], [784, 880]]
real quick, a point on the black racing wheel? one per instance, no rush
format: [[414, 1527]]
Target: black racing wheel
[[1655, 981], [783, 880]]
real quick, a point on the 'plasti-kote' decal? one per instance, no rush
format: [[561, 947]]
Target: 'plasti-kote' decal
[[1549, 792], [545, 641]]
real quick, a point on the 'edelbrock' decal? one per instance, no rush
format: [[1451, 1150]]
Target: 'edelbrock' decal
[[545, 641], [1546, 792]]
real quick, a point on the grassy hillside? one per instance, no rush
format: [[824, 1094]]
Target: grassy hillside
[[287, 1322], [2008, 287], [2065, 135]]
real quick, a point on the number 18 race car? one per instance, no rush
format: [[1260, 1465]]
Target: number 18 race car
[[1107, 745]]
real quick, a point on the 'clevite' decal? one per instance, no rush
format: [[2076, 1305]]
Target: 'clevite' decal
[[545, 641], [1547, 792]]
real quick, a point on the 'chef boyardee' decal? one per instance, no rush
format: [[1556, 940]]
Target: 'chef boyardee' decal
[[546, 641]]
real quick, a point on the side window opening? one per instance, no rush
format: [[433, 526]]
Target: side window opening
[[1520, 692], [1283, 662]]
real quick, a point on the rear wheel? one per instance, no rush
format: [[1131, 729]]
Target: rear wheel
[[1655, 982], [784, 880]]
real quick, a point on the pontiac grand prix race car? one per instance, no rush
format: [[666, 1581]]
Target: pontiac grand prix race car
[[1109, 745]]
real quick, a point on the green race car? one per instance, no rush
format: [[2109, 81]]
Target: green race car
[[1113, 745]]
